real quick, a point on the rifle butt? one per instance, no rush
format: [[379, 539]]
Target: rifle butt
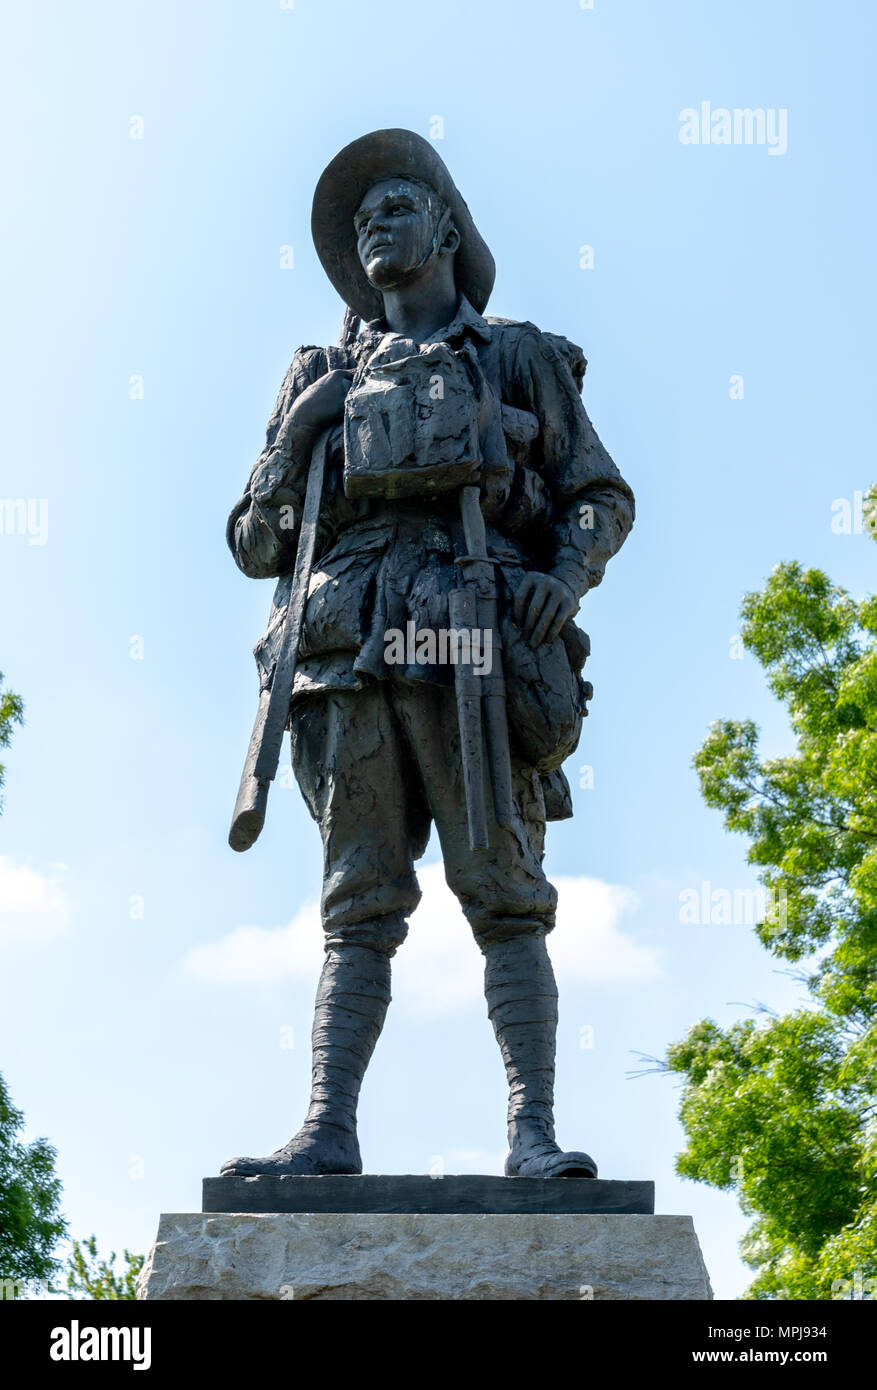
[[252, 799], [249, 813]]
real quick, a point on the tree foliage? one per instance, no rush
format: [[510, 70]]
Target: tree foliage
[[782, 1110], [11, 712], [30, 1195], [90, 1277]]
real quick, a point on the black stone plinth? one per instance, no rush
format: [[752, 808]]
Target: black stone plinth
[[452, 1195]]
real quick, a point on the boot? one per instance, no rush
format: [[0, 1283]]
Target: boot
[[522, 1005], [352, 999]]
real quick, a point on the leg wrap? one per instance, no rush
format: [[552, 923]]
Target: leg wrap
[[522, 1006], [352, 999]]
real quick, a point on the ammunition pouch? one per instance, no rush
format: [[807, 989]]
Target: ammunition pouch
[[422, 423]]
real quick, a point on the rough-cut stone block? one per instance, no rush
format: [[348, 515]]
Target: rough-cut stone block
[[387, 1256], [452, 1195]]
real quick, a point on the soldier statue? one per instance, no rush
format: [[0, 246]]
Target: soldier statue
[[434, 503]]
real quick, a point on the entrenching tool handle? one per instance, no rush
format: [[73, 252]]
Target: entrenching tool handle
[[263, 755], [462, 611], [496, 731]]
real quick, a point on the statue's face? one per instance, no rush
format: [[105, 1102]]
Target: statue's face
[[394, 227]]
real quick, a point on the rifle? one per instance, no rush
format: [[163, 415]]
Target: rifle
[[481, 700], [266, 740]]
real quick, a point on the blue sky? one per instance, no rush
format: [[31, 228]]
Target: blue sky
[[150, 1047]]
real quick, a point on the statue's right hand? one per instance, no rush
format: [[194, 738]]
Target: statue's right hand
[[321, 405]]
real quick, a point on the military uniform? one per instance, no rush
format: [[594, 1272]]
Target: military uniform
[[382, 564]]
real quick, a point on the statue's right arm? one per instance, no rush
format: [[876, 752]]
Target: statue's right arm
[[263, 526]]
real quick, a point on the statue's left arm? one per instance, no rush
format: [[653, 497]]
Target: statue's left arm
[[592, 505]]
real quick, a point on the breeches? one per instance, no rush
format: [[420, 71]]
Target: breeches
[[377, 767]]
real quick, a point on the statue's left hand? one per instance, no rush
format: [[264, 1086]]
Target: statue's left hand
[[542, 606]]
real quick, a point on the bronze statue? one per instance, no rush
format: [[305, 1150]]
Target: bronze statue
[[435, 503]]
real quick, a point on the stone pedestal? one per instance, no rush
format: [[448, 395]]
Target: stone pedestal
[[394, 1254]]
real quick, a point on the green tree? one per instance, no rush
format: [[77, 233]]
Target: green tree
[[783, 1110], [30, 1222], [90, 1277], [30, 1194], [11, 712]]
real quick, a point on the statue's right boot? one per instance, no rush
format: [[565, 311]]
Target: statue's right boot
[[352, 999]]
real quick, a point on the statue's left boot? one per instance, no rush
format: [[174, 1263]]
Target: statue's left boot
[[522, 1003]]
